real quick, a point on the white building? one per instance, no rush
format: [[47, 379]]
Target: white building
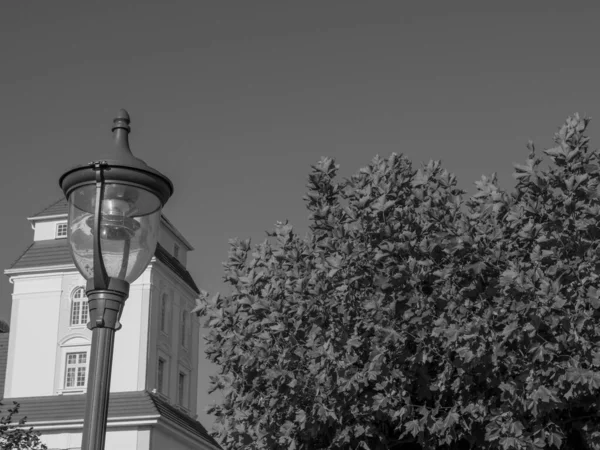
[[155, 369]]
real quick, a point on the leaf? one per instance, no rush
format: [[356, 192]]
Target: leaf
[[555, 152], [413, 427], [555, 440], [509, 329]]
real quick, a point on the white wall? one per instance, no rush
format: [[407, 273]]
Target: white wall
[[116, 439], [45, 230], [131, 339], [41, 335], [69, 338], [33, 332]]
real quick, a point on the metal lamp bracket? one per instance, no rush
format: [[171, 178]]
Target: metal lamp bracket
[[106, 295]]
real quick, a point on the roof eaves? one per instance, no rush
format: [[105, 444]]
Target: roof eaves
[[57, 268], [48, 217], [175, 266]]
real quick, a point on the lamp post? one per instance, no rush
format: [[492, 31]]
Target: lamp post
[[114, 217]]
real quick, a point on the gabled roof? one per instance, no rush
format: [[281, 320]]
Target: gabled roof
[[59, 207], [53, 252], [56, 252], [69, 410]]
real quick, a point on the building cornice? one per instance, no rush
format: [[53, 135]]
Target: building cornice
[[39, 269], [112, 422], [49, 217]]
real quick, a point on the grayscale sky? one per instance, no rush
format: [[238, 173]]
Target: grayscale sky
[[234, 100]]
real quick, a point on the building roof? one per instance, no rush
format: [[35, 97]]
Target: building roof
[[56, 252], [63, 409], [59, 207]]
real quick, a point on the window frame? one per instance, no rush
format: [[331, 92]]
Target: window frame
[[164, 313], [77, 366], [57, 234], [183, 388], [161, 375], [81, 304], [185, 329]]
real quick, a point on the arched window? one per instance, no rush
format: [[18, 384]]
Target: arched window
[[164, 313], [79, 307]]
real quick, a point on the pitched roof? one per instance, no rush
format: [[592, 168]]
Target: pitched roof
[[71, 408], [56, 252], [59, 207]]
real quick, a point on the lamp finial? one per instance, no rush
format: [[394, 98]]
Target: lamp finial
[[121, 130], [122, 121]]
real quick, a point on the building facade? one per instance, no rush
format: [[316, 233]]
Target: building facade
[[155, 364]]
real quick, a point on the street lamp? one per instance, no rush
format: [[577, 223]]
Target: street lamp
[[114, 218]]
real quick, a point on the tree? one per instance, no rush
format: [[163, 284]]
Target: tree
[[16, 436], [411, 317]]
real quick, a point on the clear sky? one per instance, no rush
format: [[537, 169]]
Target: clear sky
[[235, 100]]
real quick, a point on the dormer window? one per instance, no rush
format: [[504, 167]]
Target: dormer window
[[61, 230], [176, 251]]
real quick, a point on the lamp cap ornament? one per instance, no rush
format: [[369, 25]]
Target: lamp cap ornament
[[119, 166], [122, 121]]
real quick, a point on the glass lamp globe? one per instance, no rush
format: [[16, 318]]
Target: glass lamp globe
[[129, 225]]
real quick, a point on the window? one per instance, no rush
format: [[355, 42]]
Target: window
[[61, 230], [185, 328], [164, 313], [160, 377], [182, 389], [176, 251], [79, 307], [75, 372]]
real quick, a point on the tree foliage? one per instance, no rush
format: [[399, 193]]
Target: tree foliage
[[411, 315], [17, 436]]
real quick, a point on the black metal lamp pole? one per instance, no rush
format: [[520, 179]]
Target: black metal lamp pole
[[114, 218]]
